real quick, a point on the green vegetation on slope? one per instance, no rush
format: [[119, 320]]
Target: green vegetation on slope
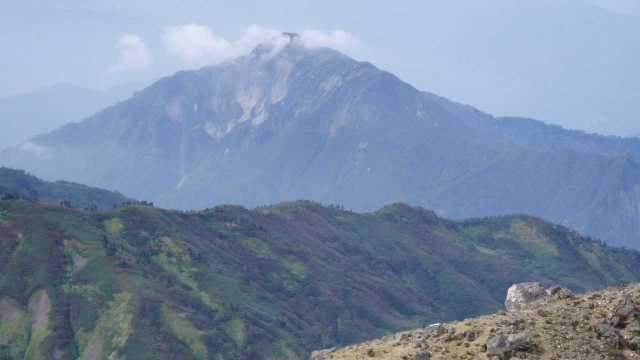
[[276, 282], [19, 184]]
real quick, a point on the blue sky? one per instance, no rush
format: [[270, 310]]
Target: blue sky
[[569, 62]]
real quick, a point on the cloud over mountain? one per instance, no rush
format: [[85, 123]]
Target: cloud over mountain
[[133, 53], [337, 39], [197, 44]]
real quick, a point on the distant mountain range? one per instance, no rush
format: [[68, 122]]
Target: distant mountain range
[[27, 115], [273, 283], [299, 123]]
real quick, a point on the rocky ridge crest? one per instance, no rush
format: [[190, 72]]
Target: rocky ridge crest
[[554, 325]]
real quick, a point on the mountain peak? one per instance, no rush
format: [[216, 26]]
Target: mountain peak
[[290, 44], [291, 35], [276, 44]]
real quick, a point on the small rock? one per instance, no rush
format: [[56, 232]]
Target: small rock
[[633, 343], [371, 353], [559, 292], [498, 346], [435, 330], [503, 347], [521, 342], [633, 326], [624, 312], [611, 335], [470, 335], [422, 356]]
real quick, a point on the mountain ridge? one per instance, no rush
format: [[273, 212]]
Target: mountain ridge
[[18, 184], [275, 282], [551, 324], [316, 124]]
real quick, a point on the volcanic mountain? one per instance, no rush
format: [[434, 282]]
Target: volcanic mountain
[[292, 122]]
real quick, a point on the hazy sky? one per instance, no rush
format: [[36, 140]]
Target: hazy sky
[[570, 62]]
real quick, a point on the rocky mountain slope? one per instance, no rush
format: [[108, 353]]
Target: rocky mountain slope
[[276, 282], [299, 123], [558, 325], [18, 184]]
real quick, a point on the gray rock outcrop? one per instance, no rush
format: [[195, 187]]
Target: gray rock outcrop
[[522, 294]]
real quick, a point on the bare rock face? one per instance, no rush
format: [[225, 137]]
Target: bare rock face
[[522, 294]]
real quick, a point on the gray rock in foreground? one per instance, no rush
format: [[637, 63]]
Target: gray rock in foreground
[[522, 294]]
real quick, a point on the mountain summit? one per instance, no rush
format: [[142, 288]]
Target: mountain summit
[[292, 122]]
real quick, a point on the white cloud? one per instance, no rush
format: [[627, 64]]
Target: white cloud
[[197, 45], [255, 35], [134, 54], [336, 39]]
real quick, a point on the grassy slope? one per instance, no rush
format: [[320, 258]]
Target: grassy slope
[[21, 184], [276, 282]]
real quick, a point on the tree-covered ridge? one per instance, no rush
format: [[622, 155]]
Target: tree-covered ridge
[[20, 184], [275, 282]]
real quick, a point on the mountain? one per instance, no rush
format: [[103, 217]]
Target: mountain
[[27, 115], [592, 326], [299, 123], [20, 185], [139, 282]]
